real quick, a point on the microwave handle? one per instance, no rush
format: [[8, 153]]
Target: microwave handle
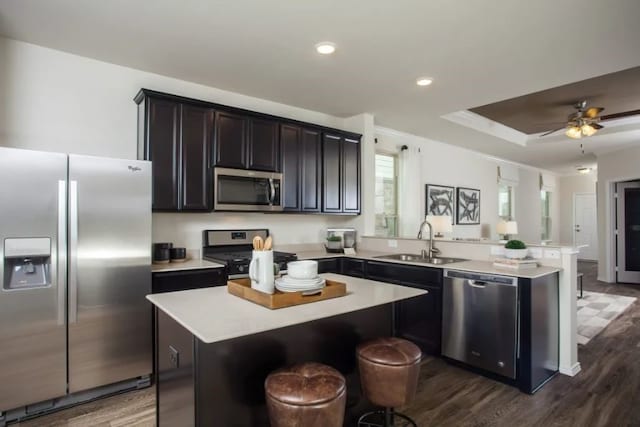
[[272, 191]]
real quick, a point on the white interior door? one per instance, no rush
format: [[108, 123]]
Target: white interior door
[[585, 231]]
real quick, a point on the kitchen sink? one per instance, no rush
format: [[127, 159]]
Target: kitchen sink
[[419, 258]]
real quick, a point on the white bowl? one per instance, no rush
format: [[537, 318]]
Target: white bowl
[[302, 269]]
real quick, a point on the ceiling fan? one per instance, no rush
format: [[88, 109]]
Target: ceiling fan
[[582, 123]]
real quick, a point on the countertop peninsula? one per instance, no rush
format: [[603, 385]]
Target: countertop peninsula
[[213, 315]]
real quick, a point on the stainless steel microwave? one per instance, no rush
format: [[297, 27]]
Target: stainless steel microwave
[[247, 190]]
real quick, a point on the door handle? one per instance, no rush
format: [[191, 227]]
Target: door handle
[[73, 251], [62, 250], [272, 191]]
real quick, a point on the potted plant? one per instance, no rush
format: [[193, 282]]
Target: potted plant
[[516, 249], [334, 242]]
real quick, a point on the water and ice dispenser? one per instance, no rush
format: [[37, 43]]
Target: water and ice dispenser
[[27, 263]]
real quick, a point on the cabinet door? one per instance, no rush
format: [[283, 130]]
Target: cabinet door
[[196, 128], [407, 275], [290, 146], [231, 141], [332, 174], [419, 320], [351, 176], [264, 146], [164, 151], [329, 265], [353, 267], [311, 157]]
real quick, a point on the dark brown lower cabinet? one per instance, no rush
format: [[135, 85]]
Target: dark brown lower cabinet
[[171, 281], [417, 319]]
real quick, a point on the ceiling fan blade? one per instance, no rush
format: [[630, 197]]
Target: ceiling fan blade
[[550, 132], [596, 126], [593, 112], [620, 115]]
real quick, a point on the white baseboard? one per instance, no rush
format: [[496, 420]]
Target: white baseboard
[[571, 371]]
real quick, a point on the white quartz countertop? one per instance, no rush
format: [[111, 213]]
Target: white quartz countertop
[[212, 314], [192, 264], [485, 267]]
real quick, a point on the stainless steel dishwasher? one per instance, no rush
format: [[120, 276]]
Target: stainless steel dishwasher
[[480, 320]]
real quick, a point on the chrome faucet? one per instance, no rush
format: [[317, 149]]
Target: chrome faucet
[[431, 250]]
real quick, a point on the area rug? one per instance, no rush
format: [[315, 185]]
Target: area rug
[[596, 311]]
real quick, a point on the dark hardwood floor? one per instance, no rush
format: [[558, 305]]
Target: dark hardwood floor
[[605, 393]]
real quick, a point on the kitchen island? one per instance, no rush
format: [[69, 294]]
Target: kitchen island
[[214, 350]]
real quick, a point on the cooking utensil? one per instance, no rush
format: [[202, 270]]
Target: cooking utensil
[[258, 243], [268, 244]]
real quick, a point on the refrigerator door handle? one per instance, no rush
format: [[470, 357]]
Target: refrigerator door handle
[[73, 251], [61, 251]]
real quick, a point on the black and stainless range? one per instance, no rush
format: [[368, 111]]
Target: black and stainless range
[[233, 248]]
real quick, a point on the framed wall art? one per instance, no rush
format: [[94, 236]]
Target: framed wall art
[[468, 206], [439, 200]]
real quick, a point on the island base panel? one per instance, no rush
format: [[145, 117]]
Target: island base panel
[[227, 377]]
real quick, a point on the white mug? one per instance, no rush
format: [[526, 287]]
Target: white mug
[[261, 272]]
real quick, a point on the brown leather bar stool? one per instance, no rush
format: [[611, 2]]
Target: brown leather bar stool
[[309, 395], [389, 369]]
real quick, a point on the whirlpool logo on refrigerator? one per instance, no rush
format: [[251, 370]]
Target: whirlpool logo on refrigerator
[[134, 168]]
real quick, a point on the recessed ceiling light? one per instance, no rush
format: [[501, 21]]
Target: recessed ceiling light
[[325, 48], [424, 81]]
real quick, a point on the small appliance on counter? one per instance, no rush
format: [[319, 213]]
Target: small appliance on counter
[[339, 239], [234, 249]]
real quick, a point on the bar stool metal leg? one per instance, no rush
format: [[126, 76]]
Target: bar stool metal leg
[[385, 418]]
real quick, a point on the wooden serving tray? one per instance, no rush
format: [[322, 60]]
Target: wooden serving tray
[[242, 288]]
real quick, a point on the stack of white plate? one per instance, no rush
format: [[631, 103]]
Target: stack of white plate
[[290, 284]]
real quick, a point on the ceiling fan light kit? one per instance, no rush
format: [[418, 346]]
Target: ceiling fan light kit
[[582, 123]]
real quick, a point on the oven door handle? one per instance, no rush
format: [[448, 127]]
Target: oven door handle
[[272, 191]]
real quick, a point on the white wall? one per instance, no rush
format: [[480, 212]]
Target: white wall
[[570, 185], [623, 165], [431, 162], [55, 101]]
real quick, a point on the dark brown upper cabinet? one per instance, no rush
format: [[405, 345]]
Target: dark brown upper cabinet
[[195, 140], [244, 142], [264, 147], [301, 168], [341, 174], [185, 138], [351, 175], [231, 141], [332, 172], [161, 145], [177, 139]]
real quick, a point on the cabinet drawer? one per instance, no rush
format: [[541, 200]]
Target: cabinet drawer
[[408, 275], [171, 281]]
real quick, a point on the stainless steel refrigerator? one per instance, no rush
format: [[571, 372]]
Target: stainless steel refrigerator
[[75, 239]]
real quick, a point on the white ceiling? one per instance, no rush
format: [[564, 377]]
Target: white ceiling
[[478, 51]]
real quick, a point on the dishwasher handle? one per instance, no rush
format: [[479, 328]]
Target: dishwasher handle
[[477, 283]]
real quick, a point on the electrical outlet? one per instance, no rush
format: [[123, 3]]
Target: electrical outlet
[[392, 243], [174, 357], [552, 253], [535, 253]]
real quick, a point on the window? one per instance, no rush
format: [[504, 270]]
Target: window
[[386, 195], [505, 202], [545, 197]]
